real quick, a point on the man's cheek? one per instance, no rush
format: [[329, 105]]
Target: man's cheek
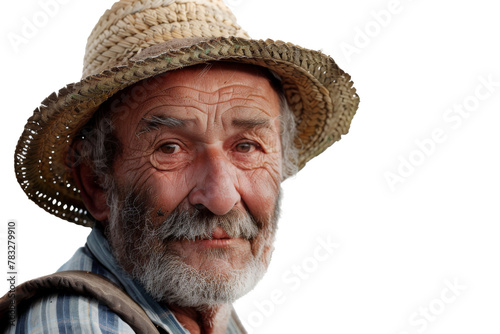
[[269, 175], [266, 175], [133, 172], [167, 191]]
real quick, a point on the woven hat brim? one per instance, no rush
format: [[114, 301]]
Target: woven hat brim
[[320, 94]]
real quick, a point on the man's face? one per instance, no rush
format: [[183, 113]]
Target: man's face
[[197, 183]]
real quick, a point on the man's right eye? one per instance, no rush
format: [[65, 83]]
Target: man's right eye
[[169, 148]]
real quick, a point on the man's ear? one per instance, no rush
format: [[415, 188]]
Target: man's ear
[[93, 196]]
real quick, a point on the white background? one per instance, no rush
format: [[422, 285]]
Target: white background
[[397, 248]]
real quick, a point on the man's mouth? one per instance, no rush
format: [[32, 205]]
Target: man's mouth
[[218, 239]]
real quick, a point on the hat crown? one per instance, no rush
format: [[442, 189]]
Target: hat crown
[[131, 26]]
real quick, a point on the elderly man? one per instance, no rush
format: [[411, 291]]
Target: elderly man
[[172, 147]]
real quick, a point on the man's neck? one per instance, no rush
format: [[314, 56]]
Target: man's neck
[[213, 320]]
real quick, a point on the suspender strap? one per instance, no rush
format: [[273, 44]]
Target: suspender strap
[[80, 283]]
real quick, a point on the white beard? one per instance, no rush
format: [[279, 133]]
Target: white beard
[[141, 250]]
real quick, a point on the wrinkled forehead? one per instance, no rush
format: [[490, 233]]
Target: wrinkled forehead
[[224, 93], [197, 74], [213, 83]]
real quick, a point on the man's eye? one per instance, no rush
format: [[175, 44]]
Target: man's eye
[[169, 148], [245, 147]]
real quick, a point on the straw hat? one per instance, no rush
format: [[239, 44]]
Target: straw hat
[[137, 39]]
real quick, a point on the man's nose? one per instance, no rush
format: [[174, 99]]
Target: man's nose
[[215, 185]]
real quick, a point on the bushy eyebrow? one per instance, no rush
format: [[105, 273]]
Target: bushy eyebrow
[[248, 124], [153, 123]]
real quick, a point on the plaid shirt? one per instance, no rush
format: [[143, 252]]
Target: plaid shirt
[[60, 313]]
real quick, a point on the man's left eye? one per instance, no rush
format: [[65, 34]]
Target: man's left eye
[[169, 148], [246, 147]]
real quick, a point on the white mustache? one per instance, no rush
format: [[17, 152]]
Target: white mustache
[[195, 224]]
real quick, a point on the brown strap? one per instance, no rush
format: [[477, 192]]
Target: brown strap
[[81, 283]]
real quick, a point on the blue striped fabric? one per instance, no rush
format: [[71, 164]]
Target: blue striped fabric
[[63, 313]]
